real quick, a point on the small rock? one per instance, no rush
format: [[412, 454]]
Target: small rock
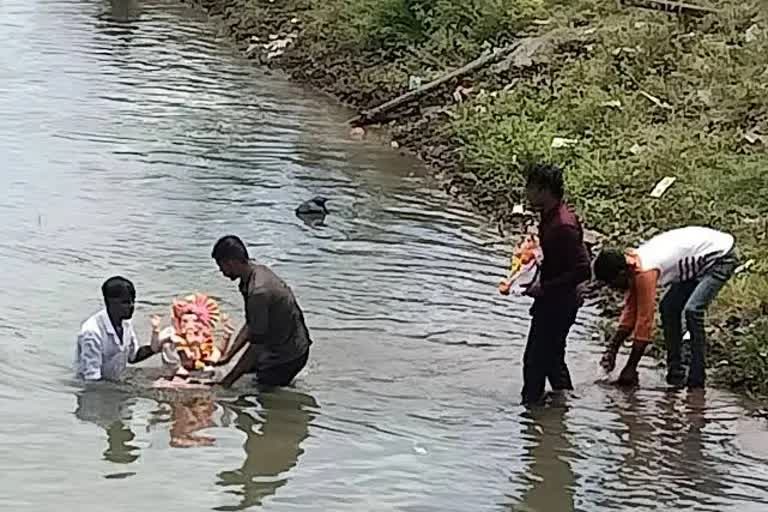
[[358, 132], [394, 144], [294, 20]]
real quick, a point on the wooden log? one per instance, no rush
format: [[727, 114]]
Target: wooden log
[[670, 6], [367, 116]]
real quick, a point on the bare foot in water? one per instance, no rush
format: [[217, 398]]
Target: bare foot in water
[[628, 378]]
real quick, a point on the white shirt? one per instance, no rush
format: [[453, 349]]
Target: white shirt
[[684, 254], [100, 354]]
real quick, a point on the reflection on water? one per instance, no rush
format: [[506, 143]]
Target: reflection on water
[[272, 444], [550, 477], [110, 409], [132, 138]]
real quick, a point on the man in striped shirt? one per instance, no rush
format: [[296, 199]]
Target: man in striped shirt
[[694, 263]]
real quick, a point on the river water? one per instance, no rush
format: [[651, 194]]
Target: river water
[[132, 137]]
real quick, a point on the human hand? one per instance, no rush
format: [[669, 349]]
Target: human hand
[[608, 362], [226, 324], [155, 320]]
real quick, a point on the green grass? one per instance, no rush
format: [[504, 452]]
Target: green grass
[[709, 74]]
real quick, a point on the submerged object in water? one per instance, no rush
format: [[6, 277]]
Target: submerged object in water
[[313, 212]]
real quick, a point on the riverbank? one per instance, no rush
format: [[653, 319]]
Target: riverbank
[[622, 96]]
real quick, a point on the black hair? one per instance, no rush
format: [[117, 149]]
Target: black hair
[[230, 248], [544, 175], [609, 264], [117, 287]]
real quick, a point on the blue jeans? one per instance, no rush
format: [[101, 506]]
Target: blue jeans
[[690, 300]]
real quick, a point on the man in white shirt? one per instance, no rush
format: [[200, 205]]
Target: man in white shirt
[[107, 341], [694, 263]]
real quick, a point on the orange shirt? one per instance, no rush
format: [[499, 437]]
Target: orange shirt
[[640, 301]]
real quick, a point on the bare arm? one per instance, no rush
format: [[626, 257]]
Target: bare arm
[[245, 364], [240, 340]]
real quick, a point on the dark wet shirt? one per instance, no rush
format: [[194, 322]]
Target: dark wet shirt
[[274, 318], [566, 259]]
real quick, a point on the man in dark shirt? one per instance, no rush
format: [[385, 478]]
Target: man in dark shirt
[[277, 337], [556, 294]]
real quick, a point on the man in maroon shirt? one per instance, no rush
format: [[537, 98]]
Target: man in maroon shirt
[[556, 295]]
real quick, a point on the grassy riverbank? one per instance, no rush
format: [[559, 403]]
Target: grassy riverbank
[[633, 94]]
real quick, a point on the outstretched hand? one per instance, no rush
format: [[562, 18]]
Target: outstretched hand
[[155, 320], [608, 362], [226, 324]]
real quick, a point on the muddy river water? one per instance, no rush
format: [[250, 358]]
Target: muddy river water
[[132, 137]]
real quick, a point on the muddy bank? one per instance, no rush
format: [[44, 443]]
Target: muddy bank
[[621, 96]]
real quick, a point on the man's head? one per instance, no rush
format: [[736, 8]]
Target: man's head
[[119, 297], [611, 268], [231, 256], [544, 186]]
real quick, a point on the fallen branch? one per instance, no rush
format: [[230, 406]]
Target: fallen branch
[[669, 6], [366, 117]]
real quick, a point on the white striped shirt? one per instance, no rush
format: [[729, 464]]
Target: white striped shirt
[[684, 254]]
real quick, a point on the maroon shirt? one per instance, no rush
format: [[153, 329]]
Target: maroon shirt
[[566, 260]]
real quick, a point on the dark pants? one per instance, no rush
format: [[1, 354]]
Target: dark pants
[[544, 357], [283, 374], [690, 300]]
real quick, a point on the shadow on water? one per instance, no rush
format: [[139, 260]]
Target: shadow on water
[[272, 445]]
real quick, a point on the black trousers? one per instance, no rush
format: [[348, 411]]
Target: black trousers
[[544, 357], [283, 374]]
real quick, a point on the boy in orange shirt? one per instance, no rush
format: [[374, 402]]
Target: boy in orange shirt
[[695, 263]]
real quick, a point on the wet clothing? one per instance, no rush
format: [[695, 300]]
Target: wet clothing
[[100, 353], [283, 374], [544, 357], [275, 321], [565, 266]]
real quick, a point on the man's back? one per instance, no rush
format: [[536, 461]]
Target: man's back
[[274, 318]]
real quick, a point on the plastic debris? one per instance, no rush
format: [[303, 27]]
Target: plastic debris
[[662, 186], [752, 33], [560, 142], [414, 82], [656, 101], [611, 104], [744, 267]]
